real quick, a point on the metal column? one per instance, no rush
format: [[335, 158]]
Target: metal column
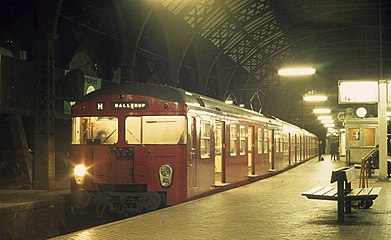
[[44, 149]]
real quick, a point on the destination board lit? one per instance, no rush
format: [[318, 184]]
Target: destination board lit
[[130, 105], [357, 91]]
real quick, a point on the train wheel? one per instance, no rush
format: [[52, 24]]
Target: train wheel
[[98, 212], [80, 199], [368, 204], [365, 204], [151, 201], [104, 214]]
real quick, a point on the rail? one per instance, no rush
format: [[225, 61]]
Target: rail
[[363, 183]]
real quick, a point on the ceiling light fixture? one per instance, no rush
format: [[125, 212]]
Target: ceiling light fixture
[[321, 110], [315, 98], [296, 71], [327, 121], [324, 117]]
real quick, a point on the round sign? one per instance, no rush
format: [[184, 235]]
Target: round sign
[[361, 112]]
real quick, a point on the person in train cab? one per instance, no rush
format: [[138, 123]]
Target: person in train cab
[[333, 151], [321, 150]]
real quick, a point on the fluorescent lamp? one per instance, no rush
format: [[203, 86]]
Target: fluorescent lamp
[[321, 110], [329, 125], [327, 121], [323, 117], [296, 71], [315, 98]]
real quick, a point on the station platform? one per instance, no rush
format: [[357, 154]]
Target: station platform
[[272, 208], [33, 214]]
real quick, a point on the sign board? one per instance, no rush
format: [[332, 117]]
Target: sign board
[[90, 84], [350, 91]]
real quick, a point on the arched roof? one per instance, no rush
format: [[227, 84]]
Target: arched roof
[[347, 39]]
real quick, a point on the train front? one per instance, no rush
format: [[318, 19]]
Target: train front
[[128, 154]]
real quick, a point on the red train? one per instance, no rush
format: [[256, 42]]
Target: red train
[[142, 146]]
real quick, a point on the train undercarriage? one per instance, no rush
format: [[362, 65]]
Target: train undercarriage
[[108, 204]]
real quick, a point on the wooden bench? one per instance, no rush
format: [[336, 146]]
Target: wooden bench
[[343, 193]]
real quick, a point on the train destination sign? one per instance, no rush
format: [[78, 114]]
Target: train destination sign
[[130, 105]]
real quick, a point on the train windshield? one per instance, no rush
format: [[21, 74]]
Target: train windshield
[[95, 130], [156, 130]]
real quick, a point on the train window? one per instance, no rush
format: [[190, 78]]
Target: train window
[[281, 142], [232, 140], [293, 145], [164, 130], [205, 139], [280, 139], [133, 130], [242, 144], [260, 141], [218, 138], [265, 140], [95, 130], [286, 143]]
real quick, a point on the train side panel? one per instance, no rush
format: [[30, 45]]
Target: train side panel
[[163, 146]]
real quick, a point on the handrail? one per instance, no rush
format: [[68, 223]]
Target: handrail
[[373, 150], [363, 183]]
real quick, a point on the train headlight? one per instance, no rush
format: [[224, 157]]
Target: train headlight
[[79, 171], [165, 173]]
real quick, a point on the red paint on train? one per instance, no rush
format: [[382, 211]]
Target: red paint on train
[[144, 146]]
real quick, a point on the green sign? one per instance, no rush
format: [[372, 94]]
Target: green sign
[[90, 84]]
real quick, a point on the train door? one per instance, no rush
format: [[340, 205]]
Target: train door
[[271, 149], [305, 145], [250, 153], [100, 168], [289, 149], [301, 148], [295, 150], [219, 153], [192, 165]]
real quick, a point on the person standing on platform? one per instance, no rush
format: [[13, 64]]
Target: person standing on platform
[[333, 151], [337, 143]]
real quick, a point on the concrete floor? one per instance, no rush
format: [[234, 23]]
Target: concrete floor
[[272, 208]]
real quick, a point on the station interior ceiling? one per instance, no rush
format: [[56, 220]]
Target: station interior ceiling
[[219, 48]]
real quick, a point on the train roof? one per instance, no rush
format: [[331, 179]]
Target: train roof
[[182, 96], [173, 94]]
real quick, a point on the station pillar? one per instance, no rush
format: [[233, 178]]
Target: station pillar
[[382, 118], [44, 145]]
